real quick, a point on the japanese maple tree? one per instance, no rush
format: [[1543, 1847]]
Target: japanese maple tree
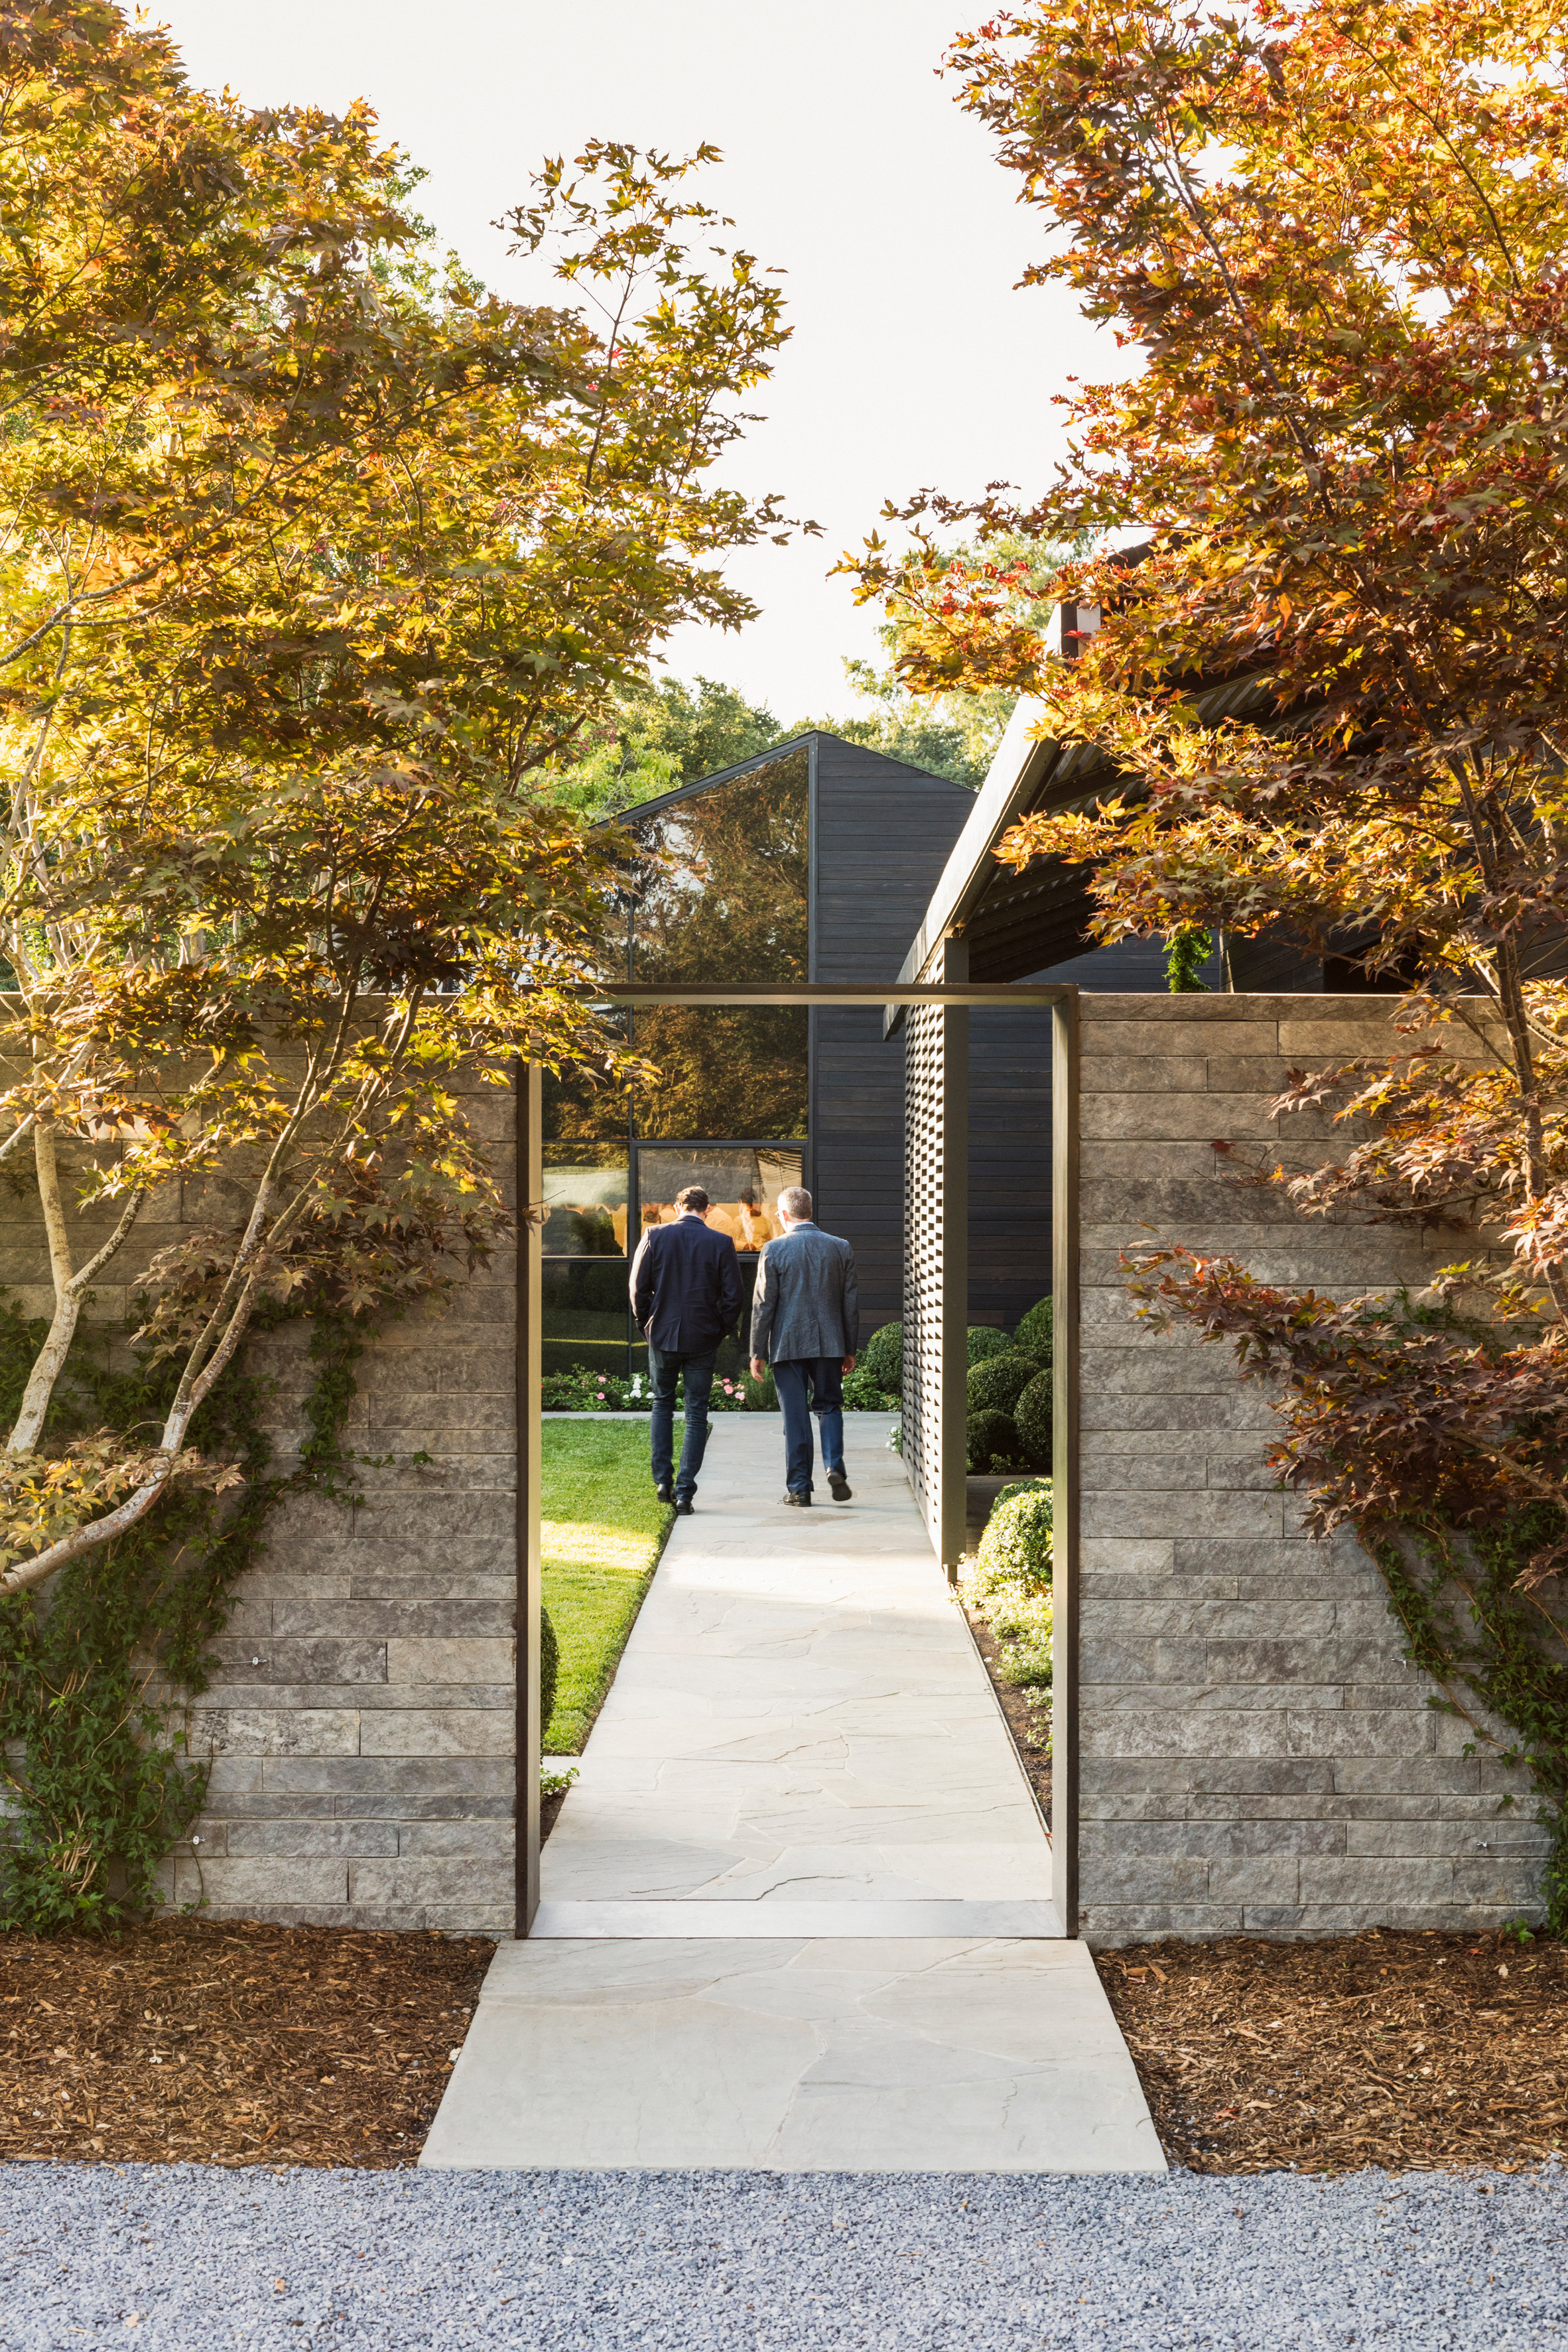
[[1338, 239], [315, 558]]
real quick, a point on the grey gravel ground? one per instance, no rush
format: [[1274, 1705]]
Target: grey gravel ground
[[195, 2258]]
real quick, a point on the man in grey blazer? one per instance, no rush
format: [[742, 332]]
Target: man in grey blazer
[[805, 1322]]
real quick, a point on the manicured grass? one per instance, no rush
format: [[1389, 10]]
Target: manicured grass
[[604, 1530]]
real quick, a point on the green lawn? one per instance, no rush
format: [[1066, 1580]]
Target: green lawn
[[604, 1530]]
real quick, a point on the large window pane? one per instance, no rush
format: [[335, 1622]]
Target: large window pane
[[732, 904], [583, 1104], [586, 1200], [742, 1183], [723, 1070], [584, 1316]]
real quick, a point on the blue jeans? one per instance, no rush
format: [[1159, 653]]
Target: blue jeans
[[808, 1384], [662, 1372]]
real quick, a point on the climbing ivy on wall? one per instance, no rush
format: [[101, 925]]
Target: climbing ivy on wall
[[97, 1669], [1493, 1649]]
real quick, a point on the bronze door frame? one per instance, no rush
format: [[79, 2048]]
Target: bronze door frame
[[957, 996]]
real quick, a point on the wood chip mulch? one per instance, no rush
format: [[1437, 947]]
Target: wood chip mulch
[[1419, 2052], [200, 2042]]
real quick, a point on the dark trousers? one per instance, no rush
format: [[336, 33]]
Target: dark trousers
[[663, 1371], [807, 1385]]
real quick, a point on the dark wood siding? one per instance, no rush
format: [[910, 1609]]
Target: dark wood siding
[[1009, 1164], [884, 832]]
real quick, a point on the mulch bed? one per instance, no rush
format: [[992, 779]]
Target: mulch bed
[[234, 2043], [1033, 1756], [195, 2041], [1420, 2053]]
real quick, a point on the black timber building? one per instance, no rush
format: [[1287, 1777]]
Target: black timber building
[[822, 860]]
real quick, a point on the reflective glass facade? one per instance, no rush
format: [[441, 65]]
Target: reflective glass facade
[[725, 895], [733, 903]]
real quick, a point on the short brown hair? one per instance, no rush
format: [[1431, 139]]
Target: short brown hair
[[691, 1196]]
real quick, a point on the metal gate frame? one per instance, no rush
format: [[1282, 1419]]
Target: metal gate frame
[[936, 1286]]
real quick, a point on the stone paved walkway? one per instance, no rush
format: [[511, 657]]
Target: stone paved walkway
[[794, 1912]]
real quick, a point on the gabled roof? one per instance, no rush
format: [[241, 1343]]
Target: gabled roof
[[656, 807], [642, 810]]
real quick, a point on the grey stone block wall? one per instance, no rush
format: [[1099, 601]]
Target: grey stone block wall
[[1255, 1753], [360, 1732]]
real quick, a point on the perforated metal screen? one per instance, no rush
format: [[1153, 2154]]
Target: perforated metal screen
[[924, 1269], [936, 1265]]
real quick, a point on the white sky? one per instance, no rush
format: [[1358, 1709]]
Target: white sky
[[847, 164]]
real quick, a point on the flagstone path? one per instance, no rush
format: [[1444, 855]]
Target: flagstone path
[[795, 1911]]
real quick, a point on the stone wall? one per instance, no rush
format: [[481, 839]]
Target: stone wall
[[1255, 1753], [361, 1727]]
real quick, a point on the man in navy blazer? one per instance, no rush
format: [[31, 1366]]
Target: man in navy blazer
[[686, 1296]]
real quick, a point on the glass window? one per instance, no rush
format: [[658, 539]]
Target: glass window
[[743, 1181], [732, 904], [729, 900], [723, 1070], [586, 1199], [584, 1316], [582, 1104]]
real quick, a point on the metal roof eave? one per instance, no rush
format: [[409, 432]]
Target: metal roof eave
[[1021, 764], [1013, 785]]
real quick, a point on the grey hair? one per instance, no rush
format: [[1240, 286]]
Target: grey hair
[[795, 1201]]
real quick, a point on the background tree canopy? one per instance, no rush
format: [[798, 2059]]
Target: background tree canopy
[[315, 557], [655, 737]]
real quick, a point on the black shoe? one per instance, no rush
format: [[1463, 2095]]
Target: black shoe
[[801, 1502], [665, 1491], [683, 1510], [842, 1490]]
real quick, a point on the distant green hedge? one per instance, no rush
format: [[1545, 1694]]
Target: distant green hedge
[[882, 1358], [1032, 1413], [1035, 1335], [997, 1383], [994, 1445]]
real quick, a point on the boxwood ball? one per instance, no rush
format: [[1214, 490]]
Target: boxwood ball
[[997, 1382]]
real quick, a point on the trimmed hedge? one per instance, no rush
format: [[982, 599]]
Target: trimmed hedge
[[1033, 1414], [997, 1382], [1016, 1545], [882, 1358], [994, 1443], [549, 1670], [1034, 1335], [1009, 1584]]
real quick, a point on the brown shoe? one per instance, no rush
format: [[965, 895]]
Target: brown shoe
[[800, 1502]]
